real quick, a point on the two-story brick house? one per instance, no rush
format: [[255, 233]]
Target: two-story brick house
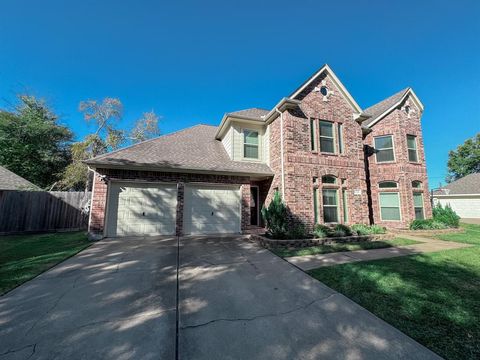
[[332, 162]]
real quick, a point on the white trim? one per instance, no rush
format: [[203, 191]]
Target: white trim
[[394, 106], [259, 157], [333, 137], [331, 206], [393, 148], [336, 81], [399, 204], [415, 207], [416, 149], [454, 195]]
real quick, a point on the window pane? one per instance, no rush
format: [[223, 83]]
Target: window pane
[[330, 214], [387, 185], [329, 179], [419, 214], [250, 137], [326, 145], [418, 200], [383, 142], [390, 213], [326, 129], [412, 155], [385, 155], [389, 199], [411, 142], [417, 184], [340, 138], [250, 151], [329, 197]]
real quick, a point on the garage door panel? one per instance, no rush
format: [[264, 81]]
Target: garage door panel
[[212, 209], [141, 209]]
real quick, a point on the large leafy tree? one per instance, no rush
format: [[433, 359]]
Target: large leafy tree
[[107, 137], [32, 142], [465, 159]]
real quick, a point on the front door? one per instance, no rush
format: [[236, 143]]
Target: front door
[[254, 215]]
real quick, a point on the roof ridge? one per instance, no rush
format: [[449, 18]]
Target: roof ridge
[[145, 141]]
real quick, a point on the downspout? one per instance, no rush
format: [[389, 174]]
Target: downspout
[[281, 152]]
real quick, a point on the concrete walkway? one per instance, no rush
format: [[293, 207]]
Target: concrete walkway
[[310, 262]]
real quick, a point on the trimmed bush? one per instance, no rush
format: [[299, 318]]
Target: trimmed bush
[[361, 229], [321, 231], [341, 230], [446, 215], [427, 224], [275, 216]]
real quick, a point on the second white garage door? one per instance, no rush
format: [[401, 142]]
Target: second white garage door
[[211, 209]]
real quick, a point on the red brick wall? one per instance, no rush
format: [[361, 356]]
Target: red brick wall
[[301, 164], [399, 124], [99, 196]]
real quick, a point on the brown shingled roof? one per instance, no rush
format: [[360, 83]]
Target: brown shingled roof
[[469, 184], [12, 181], [379, 108], [255, 113], [194, 148]]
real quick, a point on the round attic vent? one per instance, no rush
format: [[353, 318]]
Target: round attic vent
[[324, 90]]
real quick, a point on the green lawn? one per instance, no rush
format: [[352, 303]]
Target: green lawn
[[432, 297], [23, 257], [325, 249]]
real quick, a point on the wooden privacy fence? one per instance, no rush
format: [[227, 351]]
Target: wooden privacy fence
[[37, 211]]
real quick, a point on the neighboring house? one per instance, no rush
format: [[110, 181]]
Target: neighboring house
[[12, 181], [332, 162], [463, 195]]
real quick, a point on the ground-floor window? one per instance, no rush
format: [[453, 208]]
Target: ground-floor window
[[330, 205], [418, 205], [344, 203], [390, 206], [315, 204]]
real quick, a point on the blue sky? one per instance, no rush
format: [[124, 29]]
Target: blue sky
[[192, 61]]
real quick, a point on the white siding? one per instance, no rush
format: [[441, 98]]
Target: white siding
[[465, 207], [227, 142], [238, 141]]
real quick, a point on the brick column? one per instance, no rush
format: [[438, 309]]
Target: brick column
[[180, 202]]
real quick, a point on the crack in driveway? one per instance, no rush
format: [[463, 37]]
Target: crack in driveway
[[298, 308]]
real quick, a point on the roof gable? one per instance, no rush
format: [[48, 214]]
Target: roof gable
[[378, 111], [326, 69]]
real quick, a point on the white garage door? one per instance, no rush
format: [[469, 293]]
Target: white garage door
[[141, 209], [465, 207], [211, 209]]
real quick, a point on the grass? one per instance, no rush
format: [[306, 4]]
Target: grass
[[325, 249], [433, 297], [22, 257]]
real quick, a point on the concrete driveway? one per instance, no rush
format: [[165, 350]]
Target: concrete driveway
[[117, 300]]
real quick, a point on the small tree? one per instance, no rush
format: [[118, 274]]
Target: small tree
[[464, 160], [275, 216]]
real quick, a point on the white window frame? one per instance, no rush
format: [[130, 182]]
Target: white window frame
[[393, 149], [333, 137], [416, 149], [258, 158], [336, 206], [399, 204], [423, 204], [340, 138]]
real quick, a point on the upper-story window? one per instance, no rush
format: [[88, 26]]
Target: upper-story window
[[313, 134], [387, 185], [340, 138], [327, 138], [250, 144], [412, 148], [384, 149]]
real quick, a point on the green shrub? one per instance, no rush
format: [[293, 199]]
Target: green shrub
[[321, 231], [361, 229], [427, 224], [275, 216], [341, 230], [446, 215], [296, 232]]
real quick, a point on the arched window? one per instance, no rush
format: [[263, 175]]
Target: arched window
[[329, 179], [416, 184], [387, 185]]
